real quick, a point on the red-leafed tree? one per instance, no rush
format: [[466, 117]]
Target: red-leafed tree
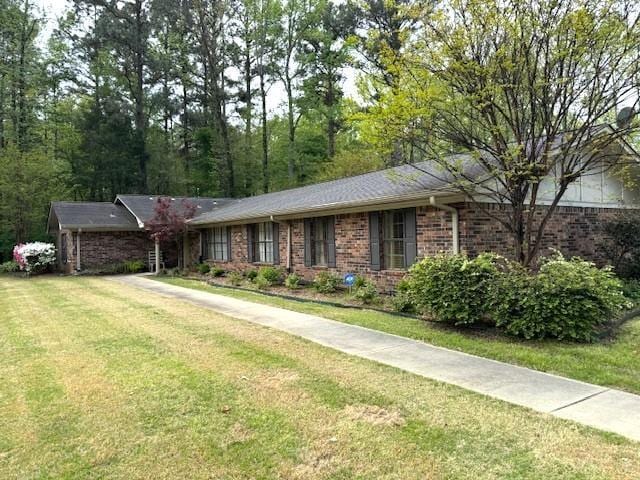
[[169, 222]]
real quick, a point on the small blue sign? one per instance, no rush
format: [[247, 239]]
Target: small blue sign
[[349, 279]]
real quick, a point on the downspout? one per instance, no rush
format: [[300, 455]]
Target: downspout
[[289, 247], [78, 249], [455, 220]]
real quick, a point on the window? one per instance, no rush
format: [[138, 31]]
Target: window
[[393, 239], [217, 247], [319, 242], [262, 239], [392, 235], [319, 237]]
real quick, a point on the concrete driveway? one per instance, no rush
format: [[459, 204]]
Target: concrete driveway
[[604, 408]]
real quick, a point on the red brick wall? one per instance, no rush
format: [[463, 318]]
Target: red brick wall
[[100, 249], [573, 230], [352, 245]]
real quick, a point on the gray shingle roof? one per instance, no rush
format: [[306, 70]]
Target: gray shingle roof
[[383, 185], [92, 216], [143, 206]]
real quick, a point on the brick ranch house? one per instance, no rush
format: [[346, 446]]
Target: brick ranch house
[[375, 224], [91, 235], [378, 223]]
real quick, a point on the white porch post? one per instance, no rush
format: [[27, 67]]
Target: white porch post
[[157, 245], [78, 249]]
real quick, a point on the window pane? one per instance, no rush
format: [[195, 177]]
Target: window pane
[[320, 257], [393, 239]]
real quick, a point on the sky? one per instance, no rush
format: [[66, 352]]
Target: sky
[[52, 9]]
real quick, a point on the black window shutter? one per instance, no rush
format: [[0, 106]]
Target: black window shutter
[[307, 242], [410, 245], [374, 240], [204, 244], [250, 243], [331, 242], [276, 242], [229, 242]]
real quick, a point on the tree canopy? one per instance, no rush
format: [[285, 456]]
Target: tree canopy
[[239, 97]]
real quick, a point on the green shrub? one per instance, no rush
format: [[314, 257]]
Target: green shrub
[[631, 290], [402, 301], [566, 299], [235, 278], [366, 292], [251, 275], [452, 288], [272, 274], [133, 266], [326, 282], [174, 272], [216, 272], [204, 268], [262, 282], [359, 281], [9, 267], [292, 281]]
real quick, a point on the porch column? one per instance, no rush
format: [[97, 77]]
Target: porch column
[[186, 250], [157, 245], [78, 249]]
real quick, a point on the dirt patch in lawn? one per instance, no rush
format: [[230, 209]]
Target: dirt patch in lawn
[[374, 415]]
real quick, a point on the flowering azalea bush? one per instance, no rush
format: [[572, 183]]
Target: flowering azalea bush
[[34, 257]]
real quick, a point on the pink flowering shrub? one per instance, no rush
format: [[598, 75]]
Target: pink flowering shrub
[[34, 257]]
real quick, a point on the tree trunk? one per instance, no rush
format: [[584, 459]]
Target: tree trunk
[[265, 139], [291, 159], [331, 120], [140, 121]]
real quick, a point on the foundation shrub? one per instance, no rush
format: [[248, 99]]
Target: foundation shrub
[[402, 301], [203, 268], [566, 299], [273, 275], [133, 266], [326, 282], [292, 282], [262, 282], [453, 288], [251, 275], [216, 272], [235, 278], [367, 293]]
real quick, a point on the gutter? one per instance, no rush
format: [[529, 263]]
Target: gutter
[[455, 220], [356, 206]]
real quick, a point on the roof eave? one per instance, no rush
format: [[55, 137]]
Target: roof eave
[[101, 228], [123, 203], [347, 207]]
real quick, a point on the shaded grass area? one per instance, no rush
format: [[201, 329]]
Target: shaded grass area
[[612, 363], [101, 381]]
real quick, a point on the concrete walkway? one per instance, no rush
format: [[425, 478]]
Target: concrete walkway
[[593, 405]]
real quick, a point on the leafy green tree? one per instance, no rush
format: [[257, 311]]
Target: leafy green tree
[[325, 55], [522, 88]]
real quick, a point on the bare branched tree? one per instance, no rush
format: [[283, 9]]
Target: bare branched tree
[[528, 90]]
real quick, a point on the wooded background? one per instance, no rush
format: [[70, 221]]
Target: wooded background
[[172, 97]]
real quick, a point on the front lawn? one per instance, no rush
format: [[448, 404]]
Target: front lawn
[[614, 363], [103, 381]]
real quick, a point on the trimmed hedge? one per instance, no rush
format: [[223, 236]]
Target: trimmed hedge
[[565, 299]]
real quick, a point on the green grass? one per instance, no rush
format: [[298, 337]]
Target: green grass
[[102, 381], [613, 363]]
